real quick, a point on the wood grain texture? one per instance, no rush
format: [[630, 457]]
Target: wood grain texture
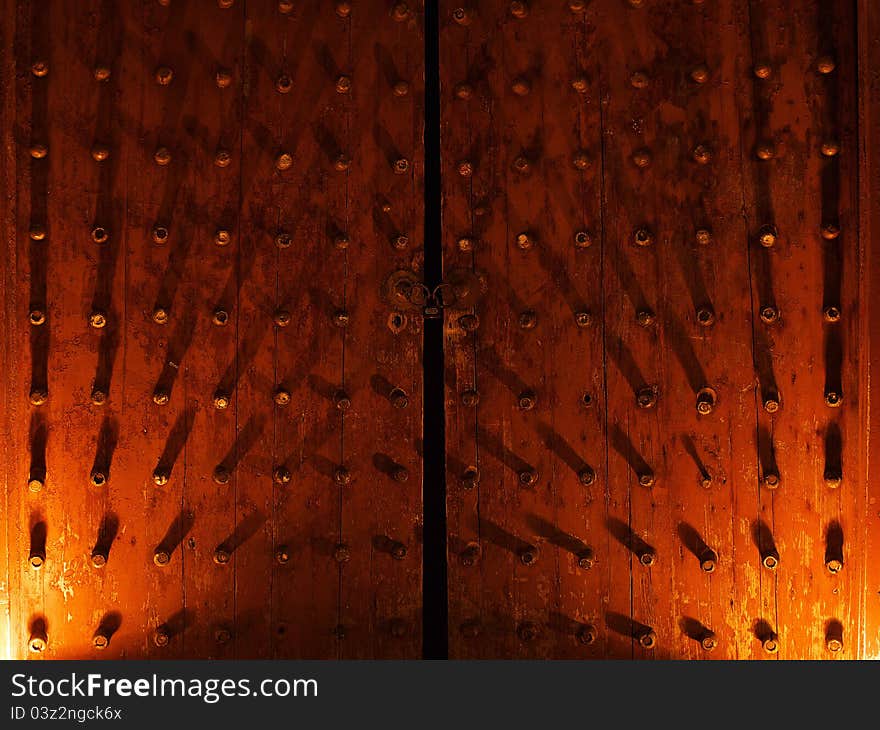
[[676, 106], [218, 476]]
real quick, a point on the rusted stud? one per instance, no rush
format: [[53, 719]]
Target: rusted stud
[[100, 234], [160, 477], [833, 644], [525, 241], [285, 7], [641, 158], [470, 398], [770, 479], [97, 319], [519, 9], [281, 317], [281, 475], [526, 400], [282, 555], [830, 231], [703, 236], [400, 89], [765, 151], [221, 400], [831, 313], [586, 634], [521, 86], [341, 553], [834, 565], [527, 632], [470, 478], [283, 161], [98, 397], [161, 397], [222, 158], [769, 314], [707, 399], [161, 557], [583, 319], [702, 154], [398, 398], [469, 322], [646, 637], [102, 72], [400, 12], [465, 168], [585, 559], [527, 477], [833, 399], [770, 560], [222, 556], [223, 78], [767, 235], [400, 241], [343, 8], [222, 237], [771, 403], [164, 75], [528, 320], [830, 148], [833, 478], [646, 318], [643, 237], [401, 166], [646, 397], [99, 558], [341, 241], [463, 91], [281, 397], [39, 151], [225, 4], [160, 234], [343, 84], [162, 156], [586, 476], [580, 160], [762, 70], [341, 400], [462, 16], [639, 79], [38, 396], [646, 556], [284, 84], [705, 316], [160, 315], [40, 68], [220, 317], [36, 317], [37, 232], [220, 475], [700, 74], [646, 479], [583, 239], [825, 64]]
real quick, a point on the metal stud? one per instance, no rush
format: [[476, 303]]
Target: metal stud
[[580, 84], [462, 16], [705, 316], [521, 86], [767, 236], [161, 397], [222, 158], [770, 479], [702, 154], [708, 642], [833, 399], [40, 68], [771, 403], [834, 565], [223, 78], [830, 231], [37, 317], [583, 319], [162, 156], [343, 8], [97, 319], [527, 632], [281, 317], [646, 556], [341, 553], [160, 234], [281, 475], [765, 151], [98, 397], [284, 161], [586, 634], [160, 315], [39, 151], [398, 398], [342, 162], [463, 91], [526, 400], [400, 12], [646, 397], [646, 318], [281, 396], [525, 241], [580, 160], [220, 475], [642, 158], [161, 557], [831, 313], [37, 232], [700, 74], [519, 9], [222, 237], [528, 320], [341, 400], [282, 555], [527, 477], [284, 84], [762, 70], [343, 84], [643, 237], [830, 148], [528, 555], [401, 166], [160, 477], [647, 638], [825, 64], [707, 398], [285, 7], [769, 314], [283, 239], [401, 89], [639, 80], [470, 478], [586, 476], [164, 75], [470, 398], [465, 168], [38, 396], [220, 317], [100, 234], [221, 400]]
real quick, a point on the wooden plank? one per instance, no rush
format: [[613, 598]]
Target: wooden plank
[[380, 608], [868, 25]]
